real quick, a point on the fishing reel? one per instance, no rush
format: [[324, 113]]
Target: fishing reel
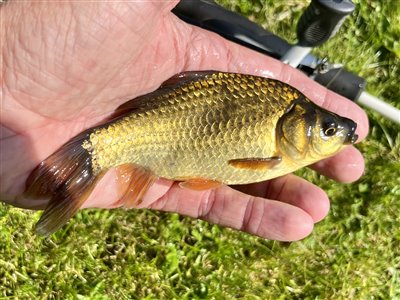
[[319, 22]]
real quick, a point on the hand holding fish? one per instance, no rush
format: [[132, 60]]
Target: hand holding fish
[[69, 69]]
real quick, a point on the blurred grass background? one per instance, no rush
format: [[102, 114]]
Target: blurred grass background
[[353, 253]]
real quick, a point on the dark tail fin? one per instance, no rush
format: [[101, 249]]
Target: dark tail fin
[[66, 178]]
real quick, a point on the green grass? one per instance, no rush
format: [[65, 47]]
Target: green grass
[[354, 252]]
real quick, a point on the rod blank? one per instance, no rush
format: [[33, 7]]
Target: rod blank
[[379, 106]]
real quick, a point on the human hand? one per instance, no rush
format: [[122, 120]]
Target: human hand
[[67, 66]]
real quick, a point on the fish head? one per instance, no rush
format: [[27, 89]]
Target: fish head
[[308, 133]]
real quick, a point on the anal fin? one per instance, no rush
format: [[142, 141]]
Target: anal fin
[[134, 181]]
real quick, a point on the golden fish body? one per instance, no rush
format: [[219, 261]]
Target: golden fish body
[[201, 128], [194, 130]]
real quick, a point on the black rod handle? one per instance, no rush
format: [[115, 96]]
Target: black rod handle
[[321, 20], [232, 26]]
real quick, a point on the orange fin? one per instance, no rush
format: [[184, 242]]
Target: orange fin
[[199, 184], [259, 164], [66, 179], [134, 181]]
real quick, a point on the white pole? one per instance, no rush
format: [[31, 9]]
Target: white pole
[[381, 107], [295, 55]]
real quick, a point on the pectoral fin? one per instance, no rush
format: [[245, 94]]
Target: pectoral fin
[[255, 163], [199, 184], [134, 181]]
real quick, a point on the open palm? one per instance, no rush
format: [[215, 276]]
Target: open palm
[[68, 66]]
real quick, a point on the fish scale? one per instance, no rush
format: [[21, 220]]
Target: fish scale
[[198, 130], [201, 128]]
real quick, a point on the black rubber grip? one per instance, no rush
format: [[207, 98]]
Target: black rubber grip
[[232, 26], [342, 82], [321, 20]]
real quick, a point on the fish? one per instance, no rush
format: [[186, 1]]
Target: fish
[[201, 128]]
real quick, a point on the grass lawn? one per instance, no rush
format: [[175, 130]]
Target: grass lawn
[[353, 253]]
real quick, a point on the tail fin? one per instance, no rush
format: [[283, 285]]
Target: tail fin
[[67, 179]]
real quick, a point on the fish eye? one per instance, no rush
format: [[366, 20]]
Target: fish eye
[[329, 128]]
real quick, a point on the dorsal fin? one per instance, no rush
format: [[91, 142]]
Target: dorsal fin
[[170, 84], [184, 77]]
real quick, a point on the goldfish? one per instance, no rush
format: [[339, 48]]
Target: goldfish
[[203, 129]]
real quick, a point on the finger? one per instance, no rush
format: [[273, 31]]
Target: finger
[[280, 220], [293, 190], [21, 202], [228, 207], [346, 166], [206, 50], [224, 206]]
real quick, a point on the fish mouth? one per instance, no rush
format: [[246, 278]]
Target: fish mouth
[[351, 137], [351, 140]]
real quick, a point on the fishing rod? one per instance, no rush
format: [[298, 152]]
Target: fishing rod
[[319, 22]]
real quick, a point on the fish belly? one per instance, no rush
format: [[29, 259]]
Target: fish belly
[[192, 147]]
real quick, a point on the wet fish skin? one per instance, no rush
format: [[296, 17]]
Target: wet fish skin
[[195, 129], [202, 128]]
